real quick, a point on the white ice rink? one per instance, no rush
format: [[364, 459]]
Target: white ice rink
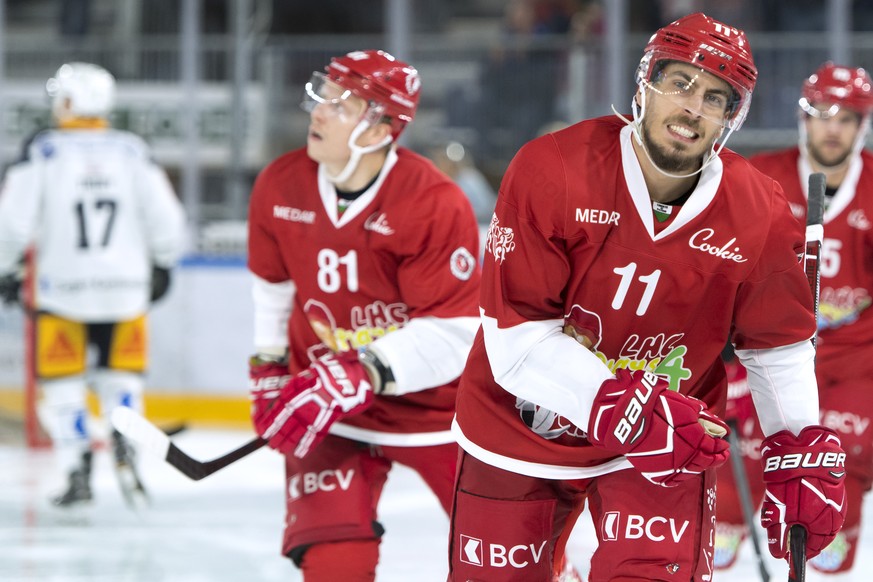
[[226, 527]]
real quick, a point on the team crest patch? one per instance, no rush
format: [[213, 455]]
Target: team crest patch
[[500, 240], [857, 219], [462, 263]]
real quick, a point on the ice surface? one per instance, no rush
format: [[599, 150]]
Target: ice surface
[[228, 526]]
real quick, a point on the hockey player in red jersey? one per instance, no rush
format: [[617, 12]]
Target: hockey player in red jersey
[[365, 294], [834, 119], [651, 244]]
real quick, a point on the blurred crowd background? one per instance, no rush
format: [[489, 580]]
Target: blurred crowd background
[[214, 85]]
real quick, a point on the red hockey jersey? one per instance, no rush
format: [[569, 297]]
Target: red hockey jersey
[[405, 249], [574, 232], [845, 320]]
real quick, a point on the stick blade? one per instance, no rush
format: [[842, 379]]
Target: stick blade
[[135, 427]]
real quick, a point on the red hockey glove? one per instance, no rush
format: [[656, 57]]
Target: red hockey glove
[[666, 436], [333, 387], [267, 377], [804, 476]]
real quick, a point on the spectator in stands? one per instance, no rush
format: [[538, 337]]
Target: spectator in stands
[[75, 17], [105, 227], [519, 80], [457, 163], [799, 15], [586, 23]]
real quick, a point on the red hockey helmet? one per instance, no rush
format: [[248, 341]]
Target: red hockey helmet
[[710, 45], [841, 87], [381, 80]]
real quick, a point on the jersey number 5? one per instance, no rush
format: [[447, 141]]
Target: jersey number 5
[[830, 257], [329, 276]]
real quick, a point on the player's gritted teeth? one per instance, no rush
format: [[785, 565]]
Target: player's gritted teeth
[[682, 132]]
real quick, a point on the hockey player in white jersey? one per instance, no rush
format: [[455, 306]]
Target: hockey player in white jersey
[[105, 228]]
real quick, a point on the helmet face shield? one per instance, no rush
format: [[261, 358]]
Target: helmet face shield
[[698, 92], [338, 102], [694, 89], [819, 111]]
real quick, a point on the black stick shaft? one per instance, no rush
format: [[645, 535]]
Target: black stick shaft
[[196, 470], [797, 551], [745, 494], [140, 430], [814, 239]]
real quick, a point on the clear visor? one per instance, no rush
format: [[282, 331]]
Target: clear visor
[[697, 93], [819, 111], [336, 101]]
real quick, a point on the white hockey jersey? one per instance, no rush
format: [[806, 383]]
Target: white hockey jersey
[[99, 214]]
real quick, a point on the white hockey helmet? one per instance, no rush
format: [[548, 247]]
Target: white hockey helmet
[[89, 88]]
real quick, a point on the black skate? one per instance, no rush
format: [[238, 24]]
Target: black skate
[[79, 490], [131, 486]]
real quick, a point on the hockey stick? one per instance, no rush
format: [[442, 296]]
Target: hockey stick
[[175, 429], [797, 550], [812, 266], [138, 429], [814, 238], [135, 427], [745, 493]]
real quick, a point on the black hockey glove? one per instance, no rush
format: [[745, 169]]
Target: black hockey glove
[[160, 282], [10, 289]]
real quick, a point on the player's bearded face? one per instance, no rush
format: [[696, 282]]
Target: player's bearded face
[[684, 117], [830, 139]]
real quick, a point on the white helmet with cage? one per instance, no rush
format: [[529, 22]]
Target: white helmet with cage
[[81, 90]]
